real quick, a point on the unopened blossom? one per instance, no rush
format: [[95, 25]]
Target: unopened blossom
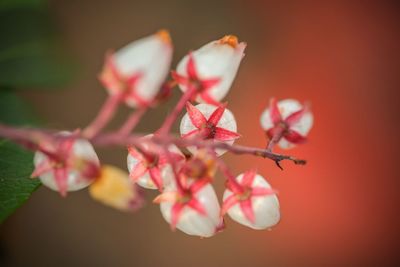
[[114, 188], [150, 166], [256, 206], [138, 70], [68, 165], [211, 69], [289, 120], [194, 209], [209, 122]]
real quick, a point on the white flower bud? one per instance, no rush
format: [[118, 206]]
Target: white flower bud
[[298, 128], [81, 161], [199, 121], [218, 59], [141, 67], [190, 220], [264, 206]]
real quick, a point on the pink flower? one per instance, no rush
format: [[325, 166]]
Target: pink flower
[[211, 69], [256, 207], [289, 119], [150, 166], [138, 70], [69, 165], [209, 122], [194, 210]]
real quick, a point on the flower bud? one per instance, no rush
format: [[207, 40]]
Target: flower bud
[[150, 166], [256, 207], [194, 212], [138, 70], [212, 68], [290, 119], [209, 122], [114, 188], [70, 165]]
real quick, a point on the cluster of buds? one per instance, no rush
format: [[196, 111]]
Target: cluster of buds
[[181, 168]]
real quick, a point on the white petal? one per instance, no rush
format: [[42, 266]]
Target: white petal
[[266, 208], [150, 56], [227, 122], [193, 223]]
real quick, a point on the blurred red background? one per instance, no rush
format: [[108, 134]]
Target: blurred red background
[[341, 209]]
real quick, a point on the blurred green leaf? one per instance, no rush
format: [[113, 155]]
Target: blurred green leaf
[[29, 53], [7, 4], [16, 186], [14, 111], [16, 164]]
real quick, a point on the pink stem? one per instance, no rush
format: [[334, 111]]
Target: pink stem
[[105, 114], [171, 118], [132, 121], [234, 185], [112, 139], [29, 138], [176, 175]]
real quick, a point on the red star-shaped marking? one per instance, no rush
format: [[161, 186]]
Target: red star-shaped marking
[[59, 161], [245, 198], [185, 197], [117, 83], [207, 128], [286, 124], [151, 163], [203, 86]]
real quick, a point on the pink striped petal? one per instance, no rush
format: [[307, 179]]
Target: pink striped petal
[[208, 99], [155, 176], [176, 212], [166, 197], [138, 171], [209, 83], [222, 134], [43, 167], [216, 116], [294, 137], [179, 78], [199, 184], [197, 206], [196, 117], [191, 68], [262, 191], [229, 202], [190, 134], [247, 209], [61, 177], [274, 112], [296, 116], [248, 177]]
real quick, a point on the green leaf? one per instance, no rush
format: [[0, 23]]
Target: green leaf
[[30, 55], [16, 165], [13, 110]]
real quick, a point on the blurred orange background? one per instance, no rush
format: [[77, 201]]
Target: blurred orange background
[[341, 209]]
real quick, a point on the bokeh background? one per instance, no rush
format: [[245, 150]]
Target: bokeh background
[[341, 209]]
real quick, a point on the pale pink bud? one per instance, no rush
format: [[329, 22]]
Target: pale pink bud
[[256, 207], [73, 167], [212, 68], [151, 167], [289, 117], [195, 211], [209, 122], [139, 69]]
